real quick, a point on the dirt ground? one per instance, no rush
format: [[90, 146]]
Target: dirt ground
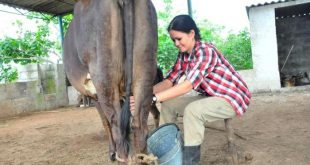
[[275, 131]]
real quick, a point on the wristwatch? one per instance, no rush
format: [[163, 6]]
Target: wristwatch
[[154, 99]]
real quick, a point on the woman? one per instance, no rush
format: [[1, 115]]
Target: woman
[[223, 93]]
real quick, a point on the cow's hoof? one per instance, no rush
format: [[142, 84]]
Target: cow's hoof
[[112, 156]]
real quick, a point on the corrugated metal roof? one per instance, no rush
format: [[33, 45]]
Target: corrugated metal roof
[[288, 11], [54, 7], [293, 11], [269, 3]]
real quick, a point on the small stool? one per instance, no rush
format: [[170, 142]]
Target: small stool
[[232, 151], [230, 140]]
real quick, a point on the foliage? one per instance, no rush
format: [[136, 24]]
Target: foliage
[[210, 32], [28, 47], [7, 73], [49, 19], [66, 19], [166, 52], [235, 47]]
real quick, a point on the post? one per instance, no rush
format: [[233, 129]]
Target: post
[[61, 33], [62, 77], [189, 7], [231, 145]]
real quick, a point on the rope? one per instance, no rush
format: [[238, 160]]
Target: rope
[[139, 158], [143, 158], [120, 159]]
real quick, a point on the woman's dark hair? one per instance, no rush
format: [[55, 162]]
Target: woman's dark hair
[[184, 23]]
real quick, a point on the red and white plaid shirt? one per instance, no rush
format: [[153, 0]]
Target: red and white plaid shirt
[[211, 74]]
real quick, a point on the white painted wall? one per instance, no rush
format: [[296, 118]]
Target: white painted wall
[[265, 75], [264, 48]]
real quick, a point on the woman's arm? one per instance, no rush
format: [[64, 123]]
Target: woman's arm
[[165, 91], [162, 86], [174, 91]]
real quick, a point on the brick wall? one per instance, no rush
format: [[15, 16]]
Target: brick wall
[[294, 32]]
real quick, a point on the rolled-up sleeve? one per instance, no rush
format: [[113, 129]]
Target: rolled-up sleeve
[[175, 72], [202, 66]]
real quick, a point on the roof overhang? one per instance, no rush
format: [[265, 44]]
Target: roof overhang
[[293, 11], [265, 4], [53, 7]]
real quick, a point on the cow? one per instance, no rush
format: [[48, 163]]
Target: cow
[[115, 41]]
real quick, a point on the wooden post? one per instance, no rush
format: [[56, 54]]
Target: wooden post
[[231, 145]]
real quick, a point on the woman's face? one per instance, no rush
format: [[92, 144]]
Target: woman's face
[[185, 42]]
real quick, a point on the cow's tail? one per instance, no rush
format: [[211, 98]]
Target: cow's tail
[[128, 23]]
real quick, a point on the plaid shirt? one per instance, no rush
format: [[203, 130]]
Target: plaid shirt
[[211, 74]]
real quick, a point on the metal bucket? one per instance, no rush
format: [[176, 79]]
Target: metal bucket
[[166, 143]]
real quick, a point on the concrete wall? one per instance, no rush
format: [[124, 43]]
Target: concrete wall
[[264, 48], [27, 72], [72, 95], [48, 91], [265, 75]]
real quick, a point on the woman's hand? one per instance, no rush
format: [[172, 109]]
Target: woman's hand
[[132, 105]]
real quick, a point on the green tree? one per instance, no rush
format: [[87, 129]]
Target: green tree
[[66, 19], [210, 32], [7, 73], [237, 49], [28, 47], [166, 52], [49, 19]]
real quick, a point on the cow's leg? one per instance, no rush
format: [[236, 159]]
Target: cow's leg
[[107, 128], [79, 100], [77, 74], [97, 36], [145, 45], [110, 105], [155, 112], [84, 100], [142, 91], [139, 123], [156, 115], [109, 69]]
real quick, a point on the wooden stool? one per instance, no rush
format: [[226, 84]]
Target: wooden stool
[[232, 151]]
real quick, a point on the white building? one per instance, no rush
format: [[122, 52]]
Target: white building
[[280, 37]]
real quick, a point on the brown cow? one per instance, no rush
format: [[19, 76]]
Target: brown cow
[[116, 42]]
